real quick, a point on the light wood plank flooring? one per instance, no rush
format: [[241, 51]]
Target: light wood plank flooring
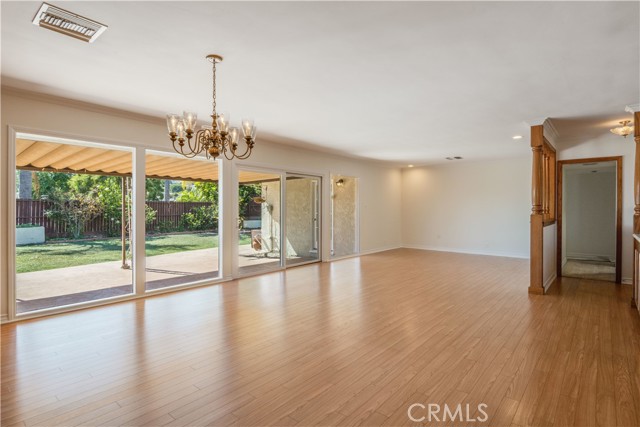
[[353, 342]]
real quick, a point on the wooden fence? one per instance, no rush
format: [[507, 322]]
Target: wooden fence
[[168, 215]]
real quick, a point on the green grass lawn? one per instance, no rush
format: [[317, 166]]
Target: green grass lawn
[[57, 255]]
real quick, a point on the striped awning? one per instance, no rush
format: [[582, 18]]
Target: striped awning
[[58, 157]]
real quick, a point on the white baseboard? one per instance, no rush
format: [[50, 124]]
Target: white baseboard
[[4, 318], [387, 248], [367, 252], [468, 251], [564, 262], [626, 281]]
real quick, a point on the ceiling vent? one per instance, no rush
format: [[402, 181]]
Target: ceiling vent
[[68, 23]]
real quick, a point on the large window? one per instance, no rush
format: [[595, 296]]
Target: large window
[[73, 222], [182, 242]]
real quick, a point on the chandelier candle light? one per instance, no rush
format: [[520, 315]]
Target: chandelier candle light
[[215, 140]]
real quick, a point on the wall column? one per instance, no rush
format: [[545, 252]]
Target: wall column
[[636, 201], [536, 273], [636, 180]]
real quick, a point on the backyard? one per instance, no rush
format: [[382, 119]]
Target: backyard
[[83, 252]]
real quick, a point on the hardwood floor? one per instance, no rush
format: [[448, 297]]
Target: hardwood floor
[[354, 342]]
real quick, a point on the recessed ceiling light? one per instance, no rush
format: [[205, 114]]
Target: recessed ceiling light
[[517, 136], [409, 166]]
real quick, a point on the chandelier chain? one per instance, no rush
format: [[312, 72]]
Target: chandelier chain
[[214, 88]]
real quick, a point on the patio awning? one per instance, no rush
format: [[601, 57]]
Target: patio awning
[[57, 157]]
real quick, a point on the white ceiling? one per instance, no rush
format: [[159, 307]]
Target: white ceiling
[[406, 82]]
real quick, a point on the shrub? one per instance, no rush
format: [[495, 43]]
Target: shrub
[[168, 227], [74, 209], [201, 218]]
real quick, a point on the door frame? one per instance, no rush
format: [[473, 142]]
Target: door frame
[[561, 163]]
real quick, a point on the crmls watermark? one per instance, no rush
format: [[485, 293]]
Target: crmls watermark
[[432, 412]]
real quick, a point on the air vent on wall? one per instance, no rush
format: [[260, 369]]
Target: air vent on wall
[[68, 23]]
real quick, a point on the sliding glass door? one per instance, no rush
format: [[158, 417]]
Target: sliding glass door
[[302, 224], [73, 223], [270, 213], [259, 221], [181, 242]]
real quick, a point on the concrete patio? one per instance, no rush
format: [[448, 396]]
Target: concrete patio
[[63, 286]]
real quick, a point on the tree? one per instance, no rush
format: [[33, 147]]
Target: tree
[[155, 189], [246, 193], [199, 191], [46, 184], [74, 209], [167, 190], [25, 184], [107, 190]]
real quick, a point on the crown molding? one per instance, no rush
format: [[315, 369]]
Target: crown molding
[[536, 121], [81, 105], [633, 108], [551, 129]]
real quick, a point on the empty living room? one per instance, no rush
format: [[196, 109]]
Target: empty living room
[[184, 243]]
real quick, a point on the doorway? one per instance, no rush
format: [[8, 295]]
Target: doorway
[[590, 218]]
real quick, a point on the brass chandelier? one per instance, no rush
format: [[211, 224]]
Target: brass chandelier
[[215, 140]]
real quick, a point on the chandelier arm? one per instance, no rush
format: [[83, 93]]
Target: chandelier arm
[[247, 151], [245, 155], [228, 156], [192, 149], [198, 145], [180, 149], [189, 155], [225, 150]]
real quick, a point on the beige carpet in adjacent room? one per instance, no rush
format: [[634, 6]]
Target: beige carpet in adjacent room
[[592, 270]]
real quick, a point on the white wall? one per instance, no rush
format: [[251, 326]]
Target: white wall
[[605, 146], [549, 251], [379, 222], [590, 221], [344, 200], [476, 207]]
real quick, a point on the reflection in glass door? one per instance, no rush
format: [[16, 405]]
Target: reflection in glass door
[[259, 207], [302, 195]]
